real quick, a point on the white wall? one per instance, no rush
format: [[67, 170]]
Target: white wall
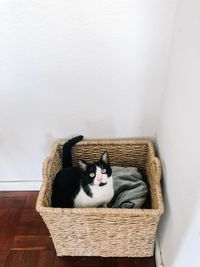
[[95, 67], [178, 142]]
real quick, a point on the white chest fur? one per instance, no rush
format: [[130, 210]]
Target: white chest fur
[[101, 195]]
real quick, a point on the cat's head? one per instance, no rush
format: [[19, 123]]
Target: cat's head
[[98, 172]]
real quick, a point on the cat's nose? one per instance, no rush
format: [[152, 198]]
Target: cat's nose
[[99, 178]]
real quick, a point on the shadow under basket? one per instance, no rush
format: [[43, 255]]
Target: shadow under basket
[[104, 232]]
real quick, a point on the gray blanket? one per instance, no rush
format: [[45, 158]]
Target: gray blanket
[[130, 188]]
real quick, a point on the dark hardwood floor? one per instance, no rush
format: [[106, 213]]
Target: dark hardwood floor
[[25, 241]]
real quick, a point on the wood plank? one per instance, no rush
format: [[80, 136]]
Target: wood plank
[[31, 223], [17, 199], [8, 223], [148, 262], [3, 257], [32, 242], [14, 259], [15, 193], [97, 262], [22, 258], [63, 262], [46, 258], [31, 200], [30, 258], [129, 262], [7, 202]]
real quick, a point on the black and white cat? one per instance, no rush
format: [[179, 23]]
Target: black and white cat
[[89, 185]]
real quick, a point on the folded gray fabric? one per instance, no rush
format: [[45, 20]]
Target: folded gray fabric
[[129, 186]]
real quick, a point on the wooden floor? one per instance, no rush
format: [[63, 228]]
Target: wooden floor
[[25, 241]]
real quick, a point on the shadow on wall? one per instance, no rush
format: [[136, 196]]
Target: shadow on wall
[[168, 222]]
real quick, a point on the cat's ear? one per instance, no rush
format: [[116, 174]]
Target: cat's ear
[[105, 158], [82, 165]]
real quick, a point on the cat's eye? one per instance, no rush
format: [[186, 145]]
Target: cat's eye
[[92, 174], [103, 171]]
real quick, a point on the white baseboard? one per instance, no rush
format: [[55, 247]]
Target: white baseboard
[[158, 255], [25, 185]]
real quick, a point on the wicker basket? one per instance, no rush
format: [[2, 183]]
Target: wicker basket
[[103, 231]]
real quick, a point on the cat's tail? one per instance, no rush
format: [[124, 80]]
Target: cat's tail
[[67, 149]]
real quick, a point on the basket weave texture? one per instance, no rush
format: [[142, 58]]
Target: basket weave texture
[[104, 232]]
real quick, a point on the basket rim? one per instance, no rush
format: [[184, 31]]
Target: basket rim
[[103, 211]]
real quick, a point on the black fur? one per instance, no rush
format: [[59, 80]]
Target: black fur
[[69, 180], [66, 189], [67, 147]]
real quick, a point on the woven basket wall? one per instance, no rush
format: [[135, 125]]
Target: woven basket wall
[[103, 231]]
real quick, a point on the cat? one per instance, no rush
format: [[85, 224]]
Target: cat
[[88, 185]]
